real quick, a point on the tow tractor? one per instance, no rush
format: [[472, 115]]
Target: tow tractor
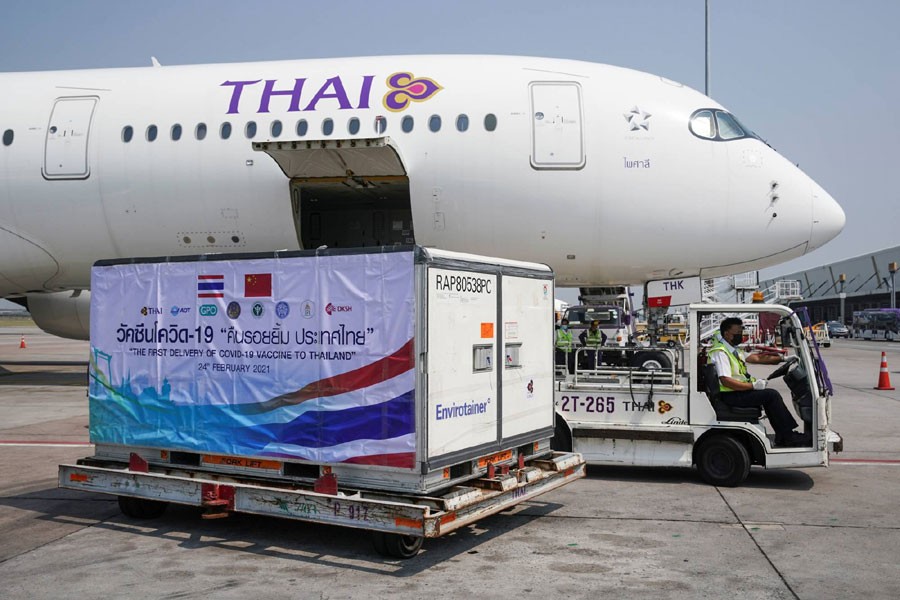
[[669, 413]]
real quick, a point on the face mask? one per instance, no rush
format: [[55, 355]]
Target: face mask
[[565, 327], [736, 339]]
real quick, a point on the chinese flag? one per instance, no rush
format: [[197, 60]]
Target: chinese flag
[[258, 285]]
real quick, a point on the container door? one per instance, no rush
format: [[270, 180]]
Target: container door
[[557, 137], [66, 146], [462, 361], [527, 370]]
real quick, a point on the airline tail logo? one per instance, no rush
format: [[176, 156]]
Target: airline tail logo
[[404, 88]]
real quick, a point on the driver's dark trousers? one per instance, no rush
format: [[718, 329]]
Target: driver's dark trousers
[[779, 416]]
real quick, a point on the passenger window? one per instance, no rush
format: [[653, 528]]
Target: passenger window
[[380, 124], [434, 123], [276, 129], [152, 131], [200, 131], [127, 134], [728, 126], [490, 122], [8, 137], [407, 124], [353, 126], [250, 130], [702, 124], [302, 127], [327, 127], [225, 130], [176, 132], [462, 122]]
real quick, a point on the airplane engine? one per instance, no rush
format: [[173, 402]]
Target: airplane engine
[[65, 314]]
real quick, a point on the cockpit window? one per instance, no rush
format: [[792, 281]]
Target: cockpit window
[[719, 125], [728, 126], [703, 125]]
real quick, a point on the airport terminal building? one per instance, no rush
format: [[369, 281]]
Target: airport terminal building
[[867, 282]]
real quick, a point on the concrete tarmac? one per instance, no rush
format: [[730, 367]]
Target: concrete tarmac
[[620, 532]]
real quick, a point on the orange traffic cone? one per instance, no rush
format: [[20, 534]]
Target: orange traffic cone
[[884, 379], [22, 342]]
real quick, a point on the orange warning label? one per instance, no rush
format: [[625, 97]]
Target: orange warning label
[[237, 461], [487, 330], [495, 458]]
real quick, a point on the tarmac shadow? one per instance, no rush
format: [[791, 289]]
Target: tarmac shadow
[[42, 378], [776, 479], [668, 475], [328, 545], [779, 479]]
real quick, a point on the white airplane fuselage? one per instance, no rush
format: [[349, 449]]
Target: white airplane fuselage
[[591, 169]]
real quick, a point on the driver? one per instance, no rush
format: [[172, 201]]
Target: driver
[[738, 388]]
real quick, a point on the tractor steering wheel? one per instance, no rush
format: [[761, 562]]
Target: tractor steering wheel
[[783, 369]]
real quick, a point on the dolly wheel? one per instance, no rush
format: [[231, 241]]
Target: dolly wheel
[[396, 545]]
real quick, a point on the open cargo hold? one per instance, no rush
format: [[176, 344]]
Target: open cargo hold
[[397, 369]]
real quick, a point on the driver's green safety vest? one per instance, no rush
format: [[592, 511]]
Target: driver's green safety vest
[[737, 365]]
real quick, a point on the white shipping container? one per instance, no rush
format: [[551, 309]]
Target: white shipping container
[[399, 369]]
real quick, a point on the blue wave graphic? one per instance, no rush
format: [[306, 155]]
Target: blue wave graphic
[[133, 413], [321, 429]]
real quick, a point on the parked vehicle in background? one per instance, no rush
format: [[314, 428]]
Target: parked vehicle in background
[[836, 329], [614, 321], [877, 324]]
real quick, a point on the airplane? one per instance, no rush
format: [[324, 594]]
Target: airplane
[[608, 175]]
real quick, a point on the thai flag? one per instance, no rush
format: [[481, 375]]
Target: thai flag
[[365, 416], [210, 286]]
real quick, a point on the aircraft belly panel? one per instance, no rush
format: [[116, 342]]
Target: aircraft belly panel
[[25, 266]]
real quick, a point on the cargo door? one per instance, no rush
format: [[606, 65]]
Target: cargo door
[[66, 144], [462, 363], [346, 193], [557, 139], [527, 370]]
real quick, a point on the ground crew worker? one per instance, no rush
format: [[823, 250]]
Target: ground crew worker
[[739, 388], [565, 346], [592, 338]]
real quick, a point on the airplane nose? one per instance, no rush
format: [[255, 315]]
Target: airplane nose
[[828, 218]]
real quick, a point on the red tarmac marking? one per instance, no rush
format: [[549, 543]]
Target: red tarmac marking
[[865, 460], [43, 443]]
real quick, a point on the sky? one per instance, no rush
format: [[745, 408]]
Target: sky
[[817, 79]]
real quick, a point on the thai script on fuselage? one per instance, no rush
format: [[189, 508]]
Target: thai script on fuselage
[[303, 95]]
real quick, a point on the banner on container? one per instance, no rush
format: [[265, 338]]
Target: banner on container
[[294, 357]]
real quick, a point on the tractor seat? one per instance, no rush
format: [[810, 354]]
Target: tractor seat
[[749, 414]]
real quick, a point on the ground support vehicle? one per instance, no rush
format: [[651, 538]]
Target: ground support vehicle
[[401, 371], [613, 321], [820, 332], [398, 522], [879, 324], [674, 416]]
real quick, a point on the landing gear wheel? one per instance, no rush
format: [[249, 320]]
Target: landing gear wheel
[[141, 508], [723, 461], [396, 545], [651, 360], [647, 361]]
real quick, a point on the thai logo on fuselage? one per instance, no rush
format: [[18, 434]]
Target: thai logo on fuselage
[[403, 88]]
